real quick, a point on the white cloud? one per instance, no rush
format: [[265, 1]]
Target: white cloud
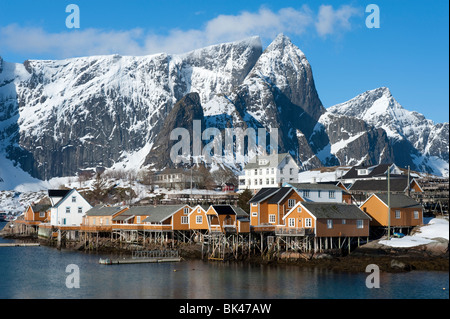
[[223, 28], [331, 21]]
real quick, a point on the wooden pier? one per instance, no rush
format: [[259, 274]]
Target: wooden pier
[[138, 261], [19, 244], [150, 256]]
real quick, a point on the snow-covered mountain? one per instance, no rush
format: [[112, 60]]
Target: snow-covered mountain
[[57, 117], [415, 140]]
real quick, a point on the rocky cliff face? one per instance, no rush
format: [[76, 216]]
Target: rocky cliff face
[[182, 116], [414, 140], [57, 117]]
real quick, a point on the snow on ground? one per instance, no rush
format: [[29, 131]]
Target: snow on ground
[[436, 228]]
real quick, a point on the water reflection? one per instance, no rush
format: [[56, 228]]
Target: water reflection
[[40, 272]]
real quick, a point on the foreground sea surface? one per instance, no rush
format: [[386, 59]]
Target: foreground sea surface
[[42, 272]]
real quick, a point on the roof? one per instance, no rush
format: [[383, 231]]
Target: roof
[[64, 197], [271, 160], [396, 185], [229, 210], [398, 200], [104, 210], [58, 192], [178, 170], [155, 213], [316, 186], [278, 196], [40, 208], [377, 170], [204, 207], [240, 213], [224, 209], [335, 210], [263, 193]]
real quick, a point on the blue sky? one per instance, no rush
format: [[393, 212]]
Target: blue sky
[[409, 53]]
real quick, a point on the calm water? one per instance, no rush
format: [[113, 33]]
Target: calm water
[[40, 272]]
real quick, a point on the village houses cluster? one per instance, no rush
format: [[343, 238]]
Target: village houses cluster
[[281, 204]]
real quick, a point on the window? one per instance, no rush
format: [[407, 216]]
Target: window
[[254, 214], [416, 214], [107, 221], [272, 170], [186, 210], [344, 222], [184, 220], [256, 182], [64, 221], [397, 214], [256, 172], [318, 194], [291, 203], [138, 219], [267, 171], [267, 181], [291, 171], [67, 210], [74, 199], [306, 193], [272, 181], [199, 219], [260, 171], [308, 222], [363, 172], [281, 171], [41, 214], [260, 181], [80, 210], [291, 222], [329, 223], [331, 194], [299, 209], [359, 223], [254, 204], [272, 218]]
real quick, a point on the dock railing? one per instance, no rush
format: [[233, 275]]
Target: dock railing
[[293, 231], [141, 254]]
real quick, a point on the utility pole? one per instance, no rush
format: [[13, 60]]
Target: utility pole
[[409, 182], [389, 203]]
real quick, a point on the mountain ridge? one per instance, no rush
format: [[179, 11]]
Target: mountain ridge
[[60, 116]]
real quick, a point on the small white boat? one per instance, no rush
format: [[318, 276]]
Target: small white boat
[[105, 261]]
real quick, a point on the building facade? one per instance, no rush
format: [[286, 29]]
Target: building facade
[[68, 210], [269, 171]]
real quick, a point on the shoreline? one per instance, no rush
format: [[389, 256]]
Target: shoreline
[[388, 260]]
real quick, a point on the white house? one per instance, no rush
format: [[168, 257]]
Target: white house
[[68, 208], [269, 171], [318, 192]]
